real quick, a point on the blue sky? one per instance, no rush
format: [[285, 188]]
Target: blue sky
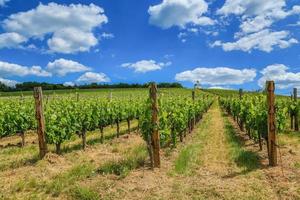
[[221, 43]]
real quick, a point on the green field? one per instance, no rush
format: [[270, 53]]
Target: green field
[[98, 146]]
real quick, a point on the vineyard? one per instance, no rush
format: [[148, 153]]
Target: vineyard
[[104, 144]]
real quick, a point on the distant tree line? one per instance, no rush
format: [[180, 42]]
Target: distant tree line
[[28, 86]]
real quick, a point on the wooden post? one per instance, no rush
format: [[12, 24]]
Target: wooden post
[[241, 93], [271, 124], [128, 125], [118, 128], [296, 114], [110, 96], [193, 95], [241, 120], [77, 96], [292, 116], [155, 133], [41, 128], [194, 117]]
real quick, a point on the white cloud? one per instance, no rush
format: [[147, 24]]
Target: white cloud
[[70, 27], [62, 67], [251, 7], [9, 69], [144, 66], [91, 77], [9, 83], [10, 40], [3, 2], [179, 13], [220, 88], [257, 15], [107, 35], [71, 40], [217, 76], [67, 84], [280, 75], [264, 40]]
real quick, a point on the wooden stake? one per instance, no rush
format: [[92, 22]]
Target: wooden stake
[[241, 121], [155, 133], [292, 116], [194, 119], [193, 95], [128, 125], [118, 128], [271, 124], [41, 128], [77, 96], [241, 93], [296, 114]]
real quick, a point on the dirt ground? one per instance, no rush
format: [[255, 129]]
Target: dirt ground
[[213, 162]]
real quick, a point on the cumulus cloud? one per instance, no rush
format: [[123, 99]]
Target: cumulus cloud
[[179, 13], [220, 88], [9, 83], [264, 40], [251, 7], [71, 40], [10, 69], [67, 84], [3, 2], [257, 15], [144, 66], [10, 40], [217, 76], [62, 67], [280, 74], [91, 77], [70, 27]]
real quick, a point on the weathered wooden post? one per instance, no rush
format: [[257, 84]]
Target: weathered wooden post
[[296, 114], [271, 124], [77, 96], [241, 93], [194, 117], [155, 134], [41, 128], [241, 120], [292, 116]]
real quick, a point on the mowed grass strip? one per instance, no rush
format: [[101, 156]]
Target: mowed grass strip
[[247, 160], [189, 157]]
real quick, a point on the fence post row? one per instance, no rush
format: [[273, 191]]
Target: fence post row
[[271, 124], [155, 134], [41, 128]]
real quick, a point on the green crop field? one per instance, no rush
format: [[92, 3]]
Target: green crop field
[[101, 138]]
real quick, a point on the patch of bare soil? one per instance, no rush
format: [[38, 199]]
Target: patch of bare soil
[[15, 141]]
